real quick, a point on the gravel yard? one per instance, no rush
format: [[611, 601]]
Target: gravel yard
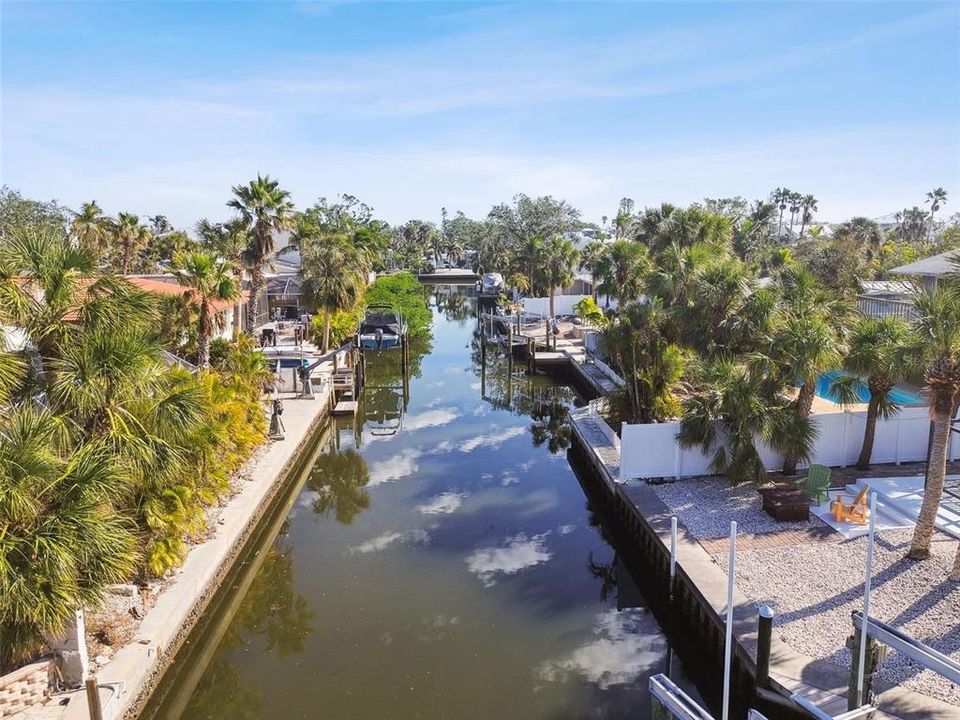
[[707, 505], [814, 588]]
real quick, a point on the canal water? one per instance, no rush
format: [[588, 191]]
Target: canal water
[[437, 559]]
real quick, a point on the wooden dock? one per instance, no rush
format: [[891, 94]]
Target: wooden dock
[[345, 407]]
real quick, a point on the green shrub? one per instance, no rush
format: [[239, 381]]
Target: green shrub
[[409, 295]]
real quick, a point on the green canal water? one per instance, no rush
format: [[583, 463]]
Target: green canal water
[[436, 559]]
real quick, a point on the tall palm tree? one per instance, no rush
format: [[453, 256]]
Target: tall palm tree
[[936, 198], [808, 206], [796, 200], [91, 228], [266, 209], [780, 197], [131, 236], [620, 270], [934, 353], [229, 241], [555, 265], [208, 280], [334, 272], [874, 347], [809, 340]]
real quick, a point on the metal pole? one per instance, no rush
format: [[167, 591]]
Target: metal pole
[[728, 643], [866, 599], [764, 639], [673, 549]]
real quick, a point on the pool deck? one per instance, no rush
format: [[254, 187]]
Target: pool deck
[[816, 679]]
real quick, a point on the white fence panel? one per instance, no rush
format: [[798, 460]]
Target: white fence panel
[[562, 304], [653, 450]]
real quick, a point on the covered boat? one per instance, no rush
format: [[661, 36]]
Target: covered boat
[[491, 284], [382, 328]]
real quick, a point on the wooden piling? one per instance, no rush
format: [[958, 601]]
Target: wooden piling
[[93, 698]]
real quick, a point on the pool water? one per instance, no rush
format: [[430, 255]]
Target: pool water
[[899, 395]]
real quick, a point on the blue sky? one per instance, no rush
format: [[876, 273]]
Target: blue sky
[[161, 107]]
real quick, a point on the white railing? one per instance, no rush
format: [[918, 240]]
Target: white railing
[[885, 307], [653, 450]]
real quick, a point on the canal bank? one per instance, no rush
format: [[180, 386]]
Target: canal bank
[[127, 680]]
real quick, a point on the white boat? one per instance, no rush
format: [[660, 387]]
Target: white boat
[[491, 284]]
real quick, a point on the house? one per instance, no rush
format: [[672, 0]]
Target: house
[[929, 270]]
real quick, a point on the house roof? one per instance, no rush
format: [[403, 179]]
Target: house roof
[[933, 266], [168, 285]]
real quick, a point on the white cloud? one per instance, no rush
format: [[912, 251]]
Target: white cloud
[[517, 553], [566, 529], [401, 465], [430, 418], [385, 540], [622, 651], [443, 504], [493, 440]]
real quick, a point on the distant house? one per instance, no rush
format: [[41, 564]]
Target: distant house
[[930, 269], [886, 298]]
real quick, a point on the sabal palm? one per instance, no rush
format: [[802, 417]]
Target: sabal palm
[[229, 240], [555, 265], [131, 236], [934, 354], [266, 209], [333, 271], [63, 541], [619, 270], [808, 206], [874, 347], [810, 339], [651, 365], [91, 228], [50, 289], [208, 280], [735, 405]]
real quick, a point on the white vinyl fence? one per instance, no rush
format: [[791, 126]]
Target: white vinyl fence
[[653, 450]]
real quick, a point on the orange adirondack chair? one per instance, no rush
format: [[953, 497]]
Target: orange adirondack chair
[[855, 512]]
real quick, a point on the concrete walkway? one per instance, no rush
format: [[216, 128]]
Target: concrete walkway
[[134, 668]]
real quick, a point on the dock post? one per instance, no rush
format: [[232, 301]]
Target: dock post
[[510, 349], [93, 698], [764, 639]]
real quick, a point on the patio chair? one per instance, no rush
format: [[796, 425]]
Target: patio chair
[[855, 512], [817, 483]]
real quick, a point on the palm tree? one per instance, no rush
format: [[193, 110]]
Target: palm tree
[[555, 265], [651, 365], [209, 280], [229, 241], [809, 340], [874, 346], [619, 270], [780, 196], [795, 199], [132, 236], [91, 228], [333, 270], [266, 209], [934, 353], [808, 206], [63, 540], [734, 405], [864, 231], [936, 198]]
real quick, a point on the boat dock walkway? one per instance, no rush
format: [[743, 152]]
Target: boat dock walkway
[[818, 680]]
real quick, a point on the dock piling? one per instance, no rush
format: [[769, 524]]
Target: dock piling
[[764, 639]]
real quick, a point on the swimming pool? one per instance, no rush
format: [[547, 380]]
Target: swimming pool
[[899, 395]]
